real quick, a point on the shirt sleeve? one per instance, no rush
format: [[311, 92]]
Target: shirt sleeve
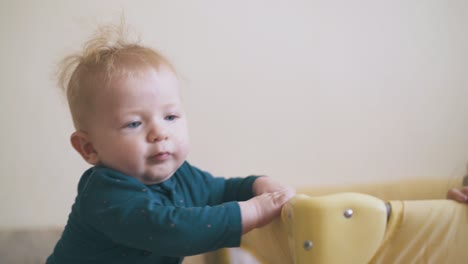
[[133, 218], [223, 190]]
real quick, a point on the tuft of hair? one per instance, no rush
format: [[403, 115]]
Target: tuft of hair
[[109, 54]]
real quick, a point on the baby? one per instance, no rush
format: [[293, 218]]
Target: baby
[[141, 201]]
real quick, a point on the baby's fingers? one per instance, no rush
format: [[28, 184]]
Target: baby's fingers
[[283, 196]]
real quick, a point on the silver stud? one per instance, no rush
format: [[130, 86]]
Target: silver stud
[[348, 213], [308, 245]]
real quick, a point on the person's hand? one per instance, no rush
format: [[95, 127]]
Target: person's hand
[[262, 209], [266, 184], [459, 195]]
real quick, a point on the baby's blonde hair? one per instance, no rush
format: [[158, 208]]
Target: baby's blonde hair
[[109, 54]]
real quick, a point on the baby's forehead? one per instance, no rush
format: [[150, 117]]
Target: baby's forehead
[[132, 75], [140, 84], [161, 77]]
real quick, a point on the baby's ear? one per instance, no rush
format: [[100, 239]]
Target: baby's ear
[[82, 144]]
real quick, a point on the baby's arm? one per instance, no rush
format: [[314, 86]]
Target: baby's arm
[[260, 198]]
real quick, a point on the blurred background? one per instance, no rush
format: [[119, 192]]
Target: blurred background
[[310, 92]]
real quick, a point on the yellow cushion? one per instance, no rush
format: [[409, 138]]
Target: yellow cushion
[[423, 227], [339, 228]]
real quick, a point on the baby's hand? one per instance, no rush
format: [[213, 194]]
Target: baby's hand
[[459, 195], [263, 209], [268, 185]]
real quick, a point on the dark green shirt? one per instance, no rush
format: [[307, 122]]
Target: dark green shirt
[[117, 219]]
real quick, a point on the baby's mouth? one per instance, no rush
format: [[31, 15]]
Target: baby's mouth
[[160, 157]]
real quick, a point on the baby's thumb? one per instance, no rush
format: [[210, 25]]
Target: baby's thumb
[[283, 196]]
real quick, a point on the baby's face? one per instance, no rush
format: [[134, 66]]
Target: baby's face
[[139, 126]]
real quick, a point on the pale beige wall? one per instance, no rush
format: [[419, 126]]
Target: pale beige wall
[[310, 92]]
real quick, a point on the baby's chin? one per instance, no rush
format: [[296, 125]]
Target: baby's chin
[[153, 179]]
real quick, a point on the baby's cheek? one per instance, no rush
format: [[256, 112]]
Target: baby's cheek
[[183, 149], [133, 155], [182, 142]]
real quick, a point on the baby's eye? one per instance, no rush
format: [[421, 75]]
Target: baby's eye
[[134, 124], [170, 117]]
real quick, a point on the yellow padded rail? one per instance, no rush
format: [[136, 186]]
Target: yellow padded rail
[[334, 229], [423, 228]]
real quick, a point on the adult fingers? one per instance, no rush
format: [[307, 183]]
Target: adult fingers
[[458, 195]]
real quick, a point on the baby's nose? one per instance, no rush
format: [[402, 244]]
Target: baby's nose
[[158, 133]]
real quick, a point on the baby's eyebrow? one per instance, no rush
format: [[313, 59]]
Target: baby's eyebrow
[[171, 105]]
